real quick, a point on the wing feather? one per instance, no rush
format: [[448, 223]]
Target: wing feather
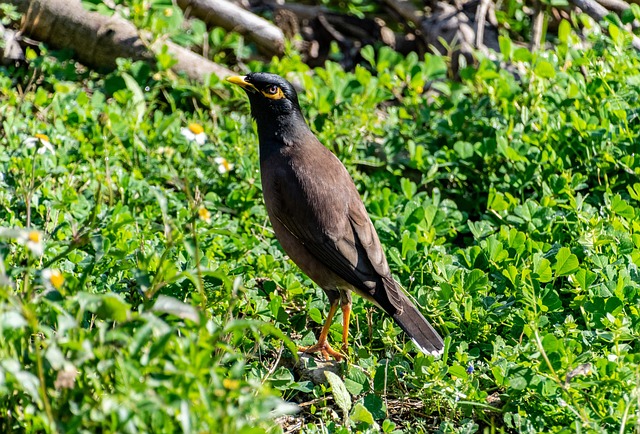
[[337, 232]]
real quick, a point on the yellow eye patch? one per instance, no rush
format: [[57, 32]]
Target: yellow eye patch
[[274, 94]]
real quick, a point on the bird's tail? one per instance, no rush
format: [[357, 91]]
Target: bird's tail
[[418, 328]]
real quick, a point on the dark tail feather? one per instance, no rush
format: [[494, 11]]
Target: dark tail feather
[[418, 328]]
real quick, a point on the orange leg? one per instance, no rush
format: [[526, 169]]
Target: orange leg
[[346, 312], [323, 344]]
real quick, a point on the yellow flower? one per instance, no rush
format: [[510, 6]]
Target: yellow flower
[[195, 128], [194, 132], [53, 278], [34, 237], [168, 12], [43, 140], [204, 214], [230, 384], [223, 165]]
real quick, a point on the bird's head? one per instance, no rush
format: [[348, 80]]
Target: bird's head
[[270, 95]]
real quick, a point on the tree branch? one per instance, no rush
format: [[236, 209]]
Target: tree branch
[[221, 13], [598, 12], [98, 40], [537, 29]]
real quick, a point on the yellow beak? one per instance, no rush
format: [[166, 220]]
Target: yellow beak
[[240, 81]]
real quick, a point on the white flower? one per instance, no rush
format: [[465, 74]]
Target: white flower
[[223, 165], [53, 278], [32, 239], [194, 132], [166, 150], [43, 140]]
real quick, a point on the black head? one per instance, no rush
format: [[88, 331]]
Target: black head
[[274, 105], [270, 95]]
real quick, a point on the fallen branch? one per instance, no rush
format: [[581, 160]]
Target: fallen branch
[[12, 51], [615, 5], [537, 29], [598, 12], [222, 13], [406, 10], [98, 40], [481, 19]]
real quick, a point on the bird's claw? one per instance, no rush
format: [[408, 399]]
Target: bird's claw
[[323, 348]]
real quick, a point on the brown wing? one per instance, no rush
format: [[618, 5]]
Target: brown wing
[[321, 207]]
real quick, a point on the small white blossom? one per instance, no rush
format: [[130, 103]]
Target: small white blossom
[[223, 165], [52, 278], [42, 140], [32, 239], [194, 132], [166, 150]]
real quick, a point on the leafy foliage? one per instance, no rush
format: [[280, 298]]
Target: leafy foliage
[[143, 291]]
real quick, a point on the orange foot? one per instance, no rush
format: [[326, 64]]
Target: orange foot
[[323, 348]]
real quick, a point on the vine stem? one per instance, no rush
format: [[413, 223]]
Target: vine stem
[[33, 323]]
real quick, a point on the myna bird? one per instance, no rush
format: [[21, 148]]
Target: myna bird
[[319, 218]]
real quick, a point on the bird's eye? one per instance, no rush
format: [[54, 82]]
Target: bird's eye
[[272, 90]]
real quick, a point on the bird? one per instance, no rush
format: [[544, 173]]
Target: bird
[[319, 218]]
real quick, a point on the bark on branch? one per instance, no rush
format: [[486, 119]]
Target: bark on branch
[[98, 40], [598, 12], [231, 17]]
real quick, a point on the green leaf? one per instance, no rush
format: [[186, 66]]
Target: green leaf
[[564, 30], [616, 34], [551, 301], [550, 343], [353, 387], [339, 391], [409, 244], [620, 207], [511, 273], [356, 381], [434, 67], [409, 188], [498, 374], [282, 378], [634, 191], [315, 315], [458, 371], [505, 46], [369, 55], [566, 262], [517, 382], [175, 307], [464, 149], [106, 306], [360, 414], [474, 280], [522, 54], [375, 405], [585, 278], [55, 357], [138, 101], [113, 307], [545, 69], [25, 380]]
